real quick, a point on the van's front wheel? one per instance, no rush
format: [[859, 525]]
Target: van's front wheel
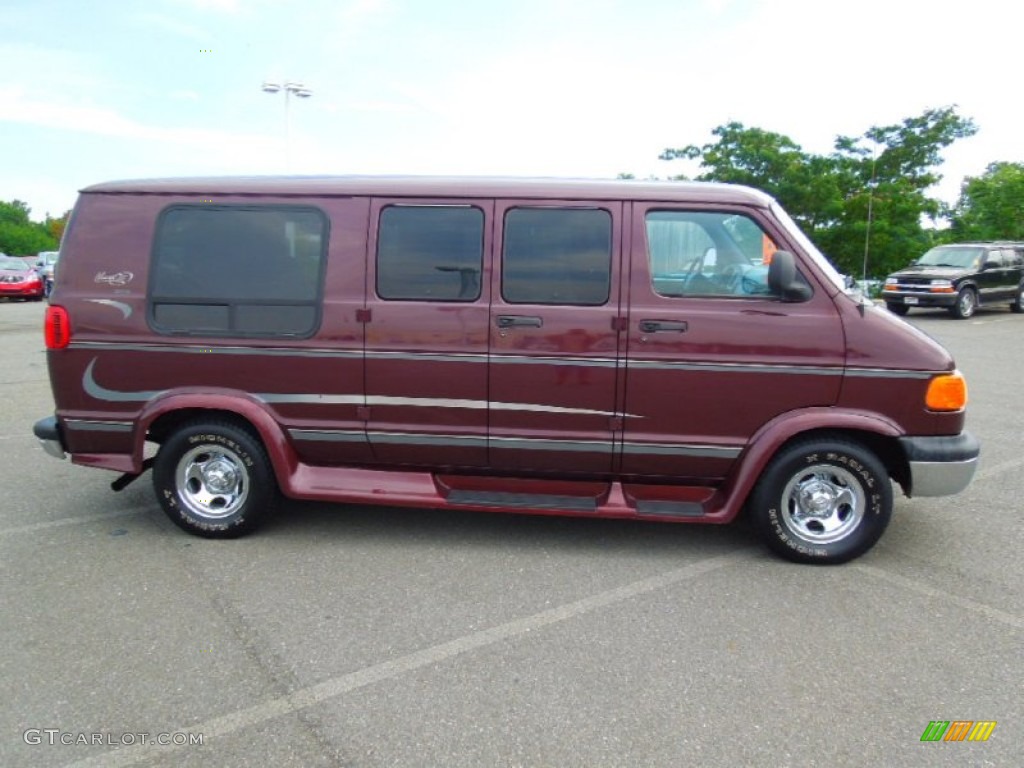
[[214, 479], [822, 501]]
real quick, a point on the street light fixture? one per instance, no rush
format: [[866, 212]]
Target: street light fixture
[[290, 89]]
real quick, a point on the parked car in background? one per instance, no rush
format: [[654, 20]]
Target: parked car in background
[[960, 277], [19, 280], [46, 264]]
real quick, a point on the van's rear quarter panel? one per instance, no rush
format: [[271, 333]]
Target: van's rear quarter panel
[[117, 356]]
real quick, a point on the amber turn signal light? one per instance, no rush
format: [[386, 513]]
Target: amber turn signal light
[[947, 393]]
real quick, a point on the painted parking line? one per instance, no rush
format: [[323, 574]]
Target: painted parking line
[[998, 469], [994, 320], [66, 521], [388, 670], [921, 588]]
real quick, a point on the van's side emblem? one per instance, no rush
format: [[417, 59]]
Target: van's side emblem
[[118, 278]]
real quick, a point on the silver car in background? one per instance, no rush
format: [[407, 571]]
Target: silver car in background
[[46, 265]]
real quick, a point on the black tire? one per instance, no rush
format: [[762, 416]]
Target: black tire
[[1017, 305], [845, 480], [898, 309], [966, 304], [213, 479]]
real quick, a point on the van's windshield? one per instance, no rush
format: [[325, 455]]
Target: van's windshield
[[809, 248]]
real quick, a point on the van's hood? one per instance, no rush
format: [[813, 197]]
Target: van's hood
[[944, 273]]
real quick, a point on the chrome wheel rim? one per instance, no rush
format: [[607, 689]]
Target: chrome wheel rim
[[823, 504], [212, 482], [967, 303]]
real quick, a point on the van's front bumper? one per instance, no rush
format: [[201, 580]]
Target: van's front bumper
[[940, 466], [50, 437]]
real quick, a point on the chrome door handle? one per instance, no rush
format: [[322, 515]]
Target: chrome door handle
[[527, 321]]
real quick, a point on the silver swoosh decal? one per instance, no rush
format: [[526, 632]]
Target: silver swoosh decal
[[94, 390], [125, 309]]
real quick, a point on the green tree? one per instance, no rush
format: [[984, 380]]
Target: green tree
[[19, 235], [991, 206], [57, 226], [886, 170]]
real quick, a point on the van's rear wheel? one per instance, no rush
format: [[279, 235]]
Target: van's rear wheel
[[214, 479], [822, 501]]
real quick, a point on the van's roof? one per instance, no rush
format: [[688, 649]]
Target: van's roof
[[440, 186]]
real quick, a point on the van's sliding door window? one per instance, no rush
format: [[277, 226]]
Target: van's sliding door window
[[557, 256], [237, 270], [430, 253]]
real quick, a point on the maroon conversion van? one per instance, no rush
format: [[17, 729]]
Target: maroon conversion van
[[659, 351]]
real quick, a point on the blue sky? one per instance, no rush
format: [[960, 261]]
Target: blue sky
[[100, 90]]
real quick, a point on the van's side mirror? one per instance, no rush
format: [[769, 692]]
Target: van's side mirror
[[990, 265], [783, 279]]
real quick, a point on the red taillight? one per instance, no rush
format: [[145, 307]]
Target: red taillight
[[57, 328]]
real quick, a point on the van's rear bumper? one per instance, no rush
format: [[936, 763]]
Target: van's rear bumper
[[940, 466], [50, 436]]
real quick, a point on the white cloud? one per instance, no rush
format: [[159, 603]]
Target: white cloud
[[173, 26], [219, 6], [15, 107]]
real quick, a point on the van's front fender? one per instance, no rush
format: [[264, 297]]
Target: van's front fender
[[767, 441]]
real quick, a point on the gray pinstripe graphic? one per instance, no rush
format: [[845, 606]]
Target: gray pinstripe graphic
[[424, 402], [674, 449], [804, 370], [515, 443], [884, 373], [327, 436], [574, 446], [587, 362]]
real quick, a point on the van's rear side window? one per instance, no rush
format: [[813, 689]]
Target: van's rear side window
[[237, 270]]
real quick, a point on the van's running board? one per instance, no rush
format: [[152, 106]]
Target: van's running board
[[522, 500], [670, 508]]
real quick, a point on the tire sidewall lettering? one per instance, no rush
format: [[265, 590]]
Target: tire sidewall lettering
[[245, 448], [768, 506]]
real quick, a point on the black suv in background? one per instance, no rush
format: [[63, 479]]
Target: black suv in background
[[960, 277]]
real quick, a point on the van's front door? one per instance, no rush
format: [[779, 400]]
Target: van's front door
[[711, 354], [554, 339]]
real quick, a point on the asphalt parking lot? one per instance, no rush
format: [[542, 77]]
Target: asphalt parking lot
[[356, 636]]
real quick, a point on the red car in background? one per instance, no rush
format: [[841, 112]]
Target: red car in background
[[19, 280]]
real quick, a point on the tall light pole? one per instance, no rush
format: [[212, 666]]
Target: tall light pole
[[871, 201], [290, 89]]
